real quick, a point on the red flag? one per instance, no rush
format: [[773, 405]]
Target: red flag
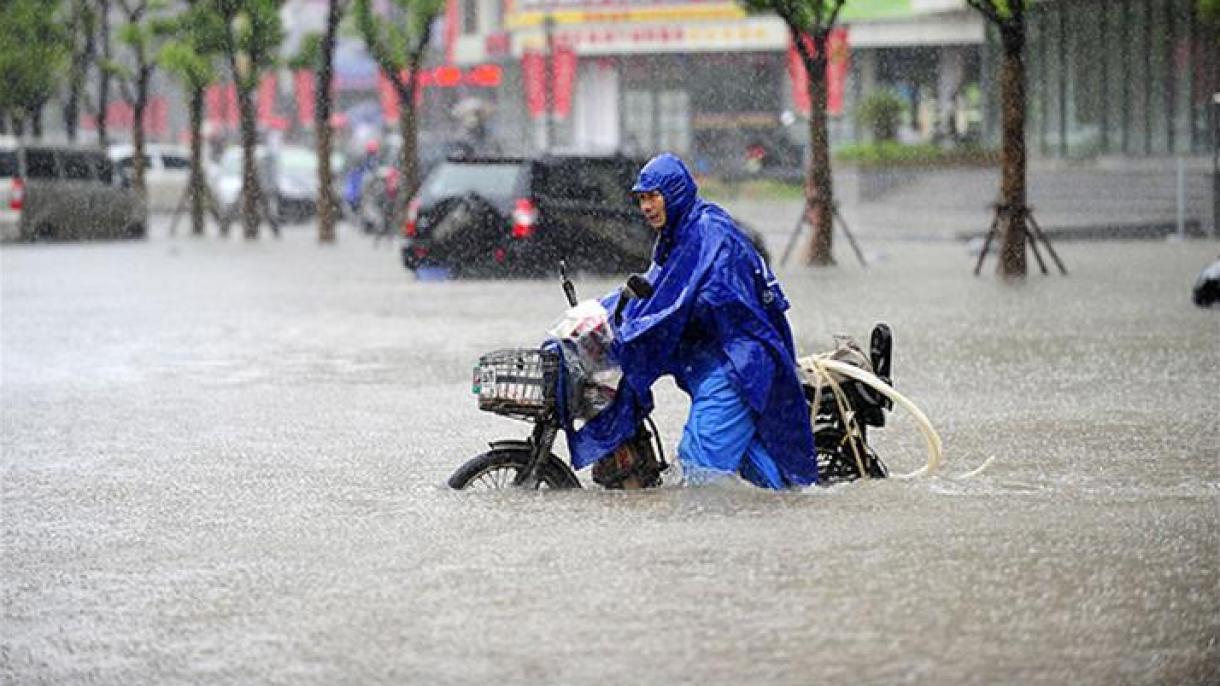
[[213, 99], [266, 100], [119, 114], [533, 75], [563, 76], [452, 17], [836, 72], [232, 113], [388, 97], [156, 116], [303, 81]]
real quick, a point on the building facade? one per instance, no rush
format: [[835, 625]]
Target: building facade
[[1129, 78], [707, 80]]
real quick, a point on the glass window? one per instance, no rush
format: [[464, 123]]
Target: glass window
[[1115, 70], [8, 164], [637, 121], [1206, 63], [175, 162], [1139, 85], [105, 170], [1183, 70], [128, 164], [77, 166], [1084, 83], [1160, 80], [470, 16], [40, 164], [491, 181], [673, 121], [603, 182]]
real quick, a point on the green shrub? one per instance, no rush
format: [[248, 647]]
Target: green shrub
[[893, 153], [880, 113]]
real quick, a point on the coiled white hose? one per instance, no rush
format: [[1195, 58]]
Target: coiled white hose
[[823, 365]]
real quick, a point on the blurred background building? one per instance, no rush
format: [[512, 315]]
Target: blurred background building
[[1122, 78]]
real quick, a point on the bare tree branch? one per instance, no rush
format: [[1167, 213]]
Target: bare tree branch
[[834, 14], [988, 9]]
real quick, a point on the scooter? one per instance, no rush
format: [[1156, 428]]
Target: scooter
[[526, 384]]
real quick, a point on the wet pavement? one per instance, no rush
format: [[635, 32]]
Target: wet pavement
[[224, 463]]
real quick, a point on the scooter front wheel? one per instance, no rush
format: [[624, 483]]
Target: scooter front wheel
[[498, 468]]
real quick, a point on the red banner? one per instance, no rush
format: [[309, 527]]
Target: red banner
[[563, 70], [389, 98], [120, 115], [836, 72], [232, 111], [305, 86], [213, 106], [266, 101], [560, 82], [533, 68], [220, 103], [452, 30]]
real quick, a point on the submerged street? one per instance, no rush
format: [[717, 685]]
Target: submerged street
[[224, 462]]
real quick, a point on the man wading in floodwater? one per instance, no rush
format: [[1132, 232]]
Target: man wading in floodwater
[[716, 322]]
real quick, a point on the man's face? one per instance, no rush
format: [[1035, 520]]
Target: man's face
[[652, 204]]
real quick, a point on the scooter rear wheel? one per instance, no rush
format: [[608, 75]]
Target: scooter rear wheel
[[497, 469]]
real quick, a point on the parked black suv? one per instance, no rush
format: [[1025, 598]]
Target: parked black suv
[[520, 216]]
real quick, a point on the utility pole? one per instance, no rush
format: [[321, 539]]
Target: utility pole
[[548, 80], [1215, 108]]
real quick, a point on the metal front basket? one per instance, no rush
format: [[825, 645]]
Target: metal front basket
[[517, 382]]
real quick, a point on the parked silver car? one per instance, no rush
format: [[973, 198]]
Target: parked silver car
[[167, 172], [64, 192], [294, 169]]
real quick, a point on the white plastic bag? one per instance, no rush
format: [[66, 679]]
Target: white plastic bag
[[585, 333]]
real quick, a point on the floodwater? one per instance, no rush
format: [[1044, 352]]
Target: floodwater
[[224, 463]]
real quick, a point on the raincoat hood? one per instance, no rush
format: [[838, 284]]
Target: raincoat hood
[[715, 303], [668, 174]]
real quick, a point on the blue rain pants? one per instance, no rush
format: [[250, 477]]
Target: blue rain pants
[[721, 436]]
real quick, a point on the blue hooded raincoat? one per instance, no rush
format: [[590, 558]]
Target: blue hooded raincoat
[[716, 314]]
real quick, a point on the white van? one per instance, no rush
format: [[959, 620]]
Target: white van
[[64, 192]]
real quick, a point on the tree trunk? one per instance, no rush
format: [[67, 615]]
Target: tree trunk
[[250, 190], [138, 161], [819, 190], [408, 158], [1012, 153], [36, 120], [103, 84], [327, 207], [197, 183], [80, 67]]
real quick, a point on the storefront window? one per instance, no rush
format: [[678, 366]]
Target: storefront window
[[1183, 72], [1083, 80], [1114, 63], [1206, 83], [470, 17], [673, 121], [637, 121], [1160, 76], [1129, 77]]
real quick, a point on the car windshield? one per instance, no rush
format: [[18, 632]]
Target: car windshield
[[230, 163], [8, 163], [304, 161], [493, 181]]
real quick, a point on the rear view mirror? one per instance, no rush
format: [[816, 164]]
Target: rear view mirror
[[636, 288]]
